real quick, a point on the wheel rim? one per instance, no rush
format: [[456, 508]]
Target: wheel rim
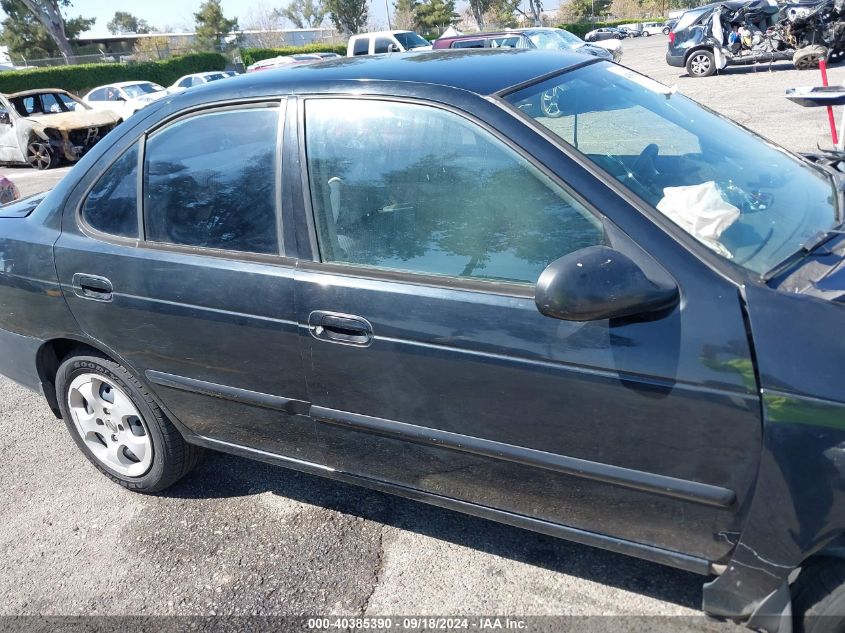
[[810, 61], [39, 155], [700, 64], [110, 425], [548, 99]]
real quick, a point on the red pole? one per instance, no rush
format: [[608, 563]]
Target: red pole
[[830, 118]]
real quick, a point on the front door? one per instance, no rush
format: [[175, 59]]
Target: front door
[[430, 367], [195, 292]]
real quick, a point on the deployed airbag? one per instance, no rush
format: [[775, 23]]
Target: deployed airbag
[[701, 211]]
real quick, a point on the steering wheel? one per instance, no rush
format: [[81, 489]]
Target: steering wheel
[[644, 166]]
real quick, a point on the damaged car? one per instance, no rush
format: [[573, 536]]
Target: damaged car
[[559, 295], [40, 128], [709, 38]]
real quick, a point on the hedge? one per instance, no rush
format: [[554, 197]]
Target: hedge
[[251, 55], [83, 77], [582, 28]]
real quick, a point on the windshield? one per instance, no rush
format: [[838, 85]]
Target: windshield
[[743, 197], [410, 40], [557, 39], [139, 90]]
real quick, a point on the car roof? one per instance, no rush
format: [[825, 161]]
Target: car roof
[[376, 33], [482, 71], [123, 84], [480, 36], [37, 91]]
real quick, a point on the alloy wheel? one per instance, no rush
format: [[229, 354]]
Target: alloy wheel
[[700, 64], [39, 155], [110, 425], [549, 104]]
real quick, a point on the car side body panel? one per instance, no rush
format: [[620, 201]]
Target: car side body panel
[[799, 498]]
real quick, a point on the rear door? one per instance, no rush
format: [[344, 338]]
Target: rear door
[[430, 367], [196, 293]]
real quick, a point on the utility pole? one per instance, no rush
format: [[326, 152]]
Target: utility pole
[[387, 8]]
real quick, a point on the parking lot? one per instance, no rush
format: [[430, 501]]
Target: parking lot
[[238, 537]]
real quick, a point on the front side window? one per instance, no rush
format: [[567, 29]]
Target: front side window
[[410, 40], [415, 188], [209, 181], [742, 197], [112, 205]]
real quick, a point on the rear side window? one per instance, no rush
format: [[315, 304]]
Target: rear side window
[[209, 181], [98, 95], [361, 46], [468, 44], [382, 45], [111, 206]]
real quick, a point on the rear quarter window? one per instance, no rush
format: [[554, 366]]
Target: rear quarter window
[[111, 206]]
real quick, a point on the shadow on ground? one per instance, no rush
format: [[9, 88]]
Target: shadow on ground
[[225, 476]]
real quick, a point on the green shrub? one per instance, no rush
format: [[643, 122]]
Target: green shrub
[[251, 55], [582, 28], [83, 77]]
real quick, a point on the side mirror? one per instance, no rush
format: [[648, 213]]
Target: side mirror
[[5, 119], [598, 282], [392, 48]]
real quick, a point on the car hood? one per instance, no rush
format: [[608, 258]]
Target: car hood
[[74, 120]]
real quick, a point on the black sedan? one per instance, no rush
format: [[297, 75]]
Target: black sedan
[[477, 289]]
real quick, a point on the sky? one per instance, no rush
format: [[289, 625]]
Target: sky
[[178, 14]]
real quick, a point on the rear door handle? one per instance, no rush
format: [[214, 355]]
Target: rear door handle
[[347, 329], [92, 287]]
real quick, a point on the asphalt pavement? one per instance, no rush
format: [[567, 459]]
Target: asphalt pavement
[[243, 538]]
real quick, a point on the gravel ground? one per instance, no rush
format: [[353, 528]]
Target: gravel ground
[[243, 538]]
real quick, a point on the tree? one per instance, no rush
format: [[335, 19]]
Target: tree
[[535, 8], [152, 48], [266, 24], [26, 35], [49, 15], [212, 27], [502, 13], [348, 16], [404, 14], [434, 15], [479, 8], [305, 13], [124, 22]]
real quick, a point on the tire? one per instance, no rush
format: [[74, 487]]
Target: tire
[[646, 33], [701, 63], [818, 597], [808, 57], [666, 31], [39, 154], [108, 431]]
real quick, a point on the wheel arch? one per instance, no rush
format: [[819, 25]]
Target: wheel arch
[[696, 48], [53, 352]]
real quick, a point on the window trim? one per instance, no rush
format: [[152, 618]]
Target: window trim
[[279, 258], [514, 289], [82, 223]]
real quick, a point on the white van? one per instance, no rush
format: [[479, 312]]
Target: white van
[[386, 42]]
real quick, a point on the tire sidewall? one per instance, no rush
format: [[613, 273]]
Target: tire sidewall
[[78, 365]]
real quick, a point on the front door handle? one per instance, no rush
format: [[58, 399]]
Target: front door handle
[[92, 287], [347, 329]]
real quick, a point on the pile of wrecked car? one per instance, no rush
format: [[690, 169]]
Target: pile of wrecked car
[[709, 38]]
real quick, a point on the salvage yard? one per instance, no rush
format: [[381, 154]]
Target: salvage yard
[[238, 537]]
